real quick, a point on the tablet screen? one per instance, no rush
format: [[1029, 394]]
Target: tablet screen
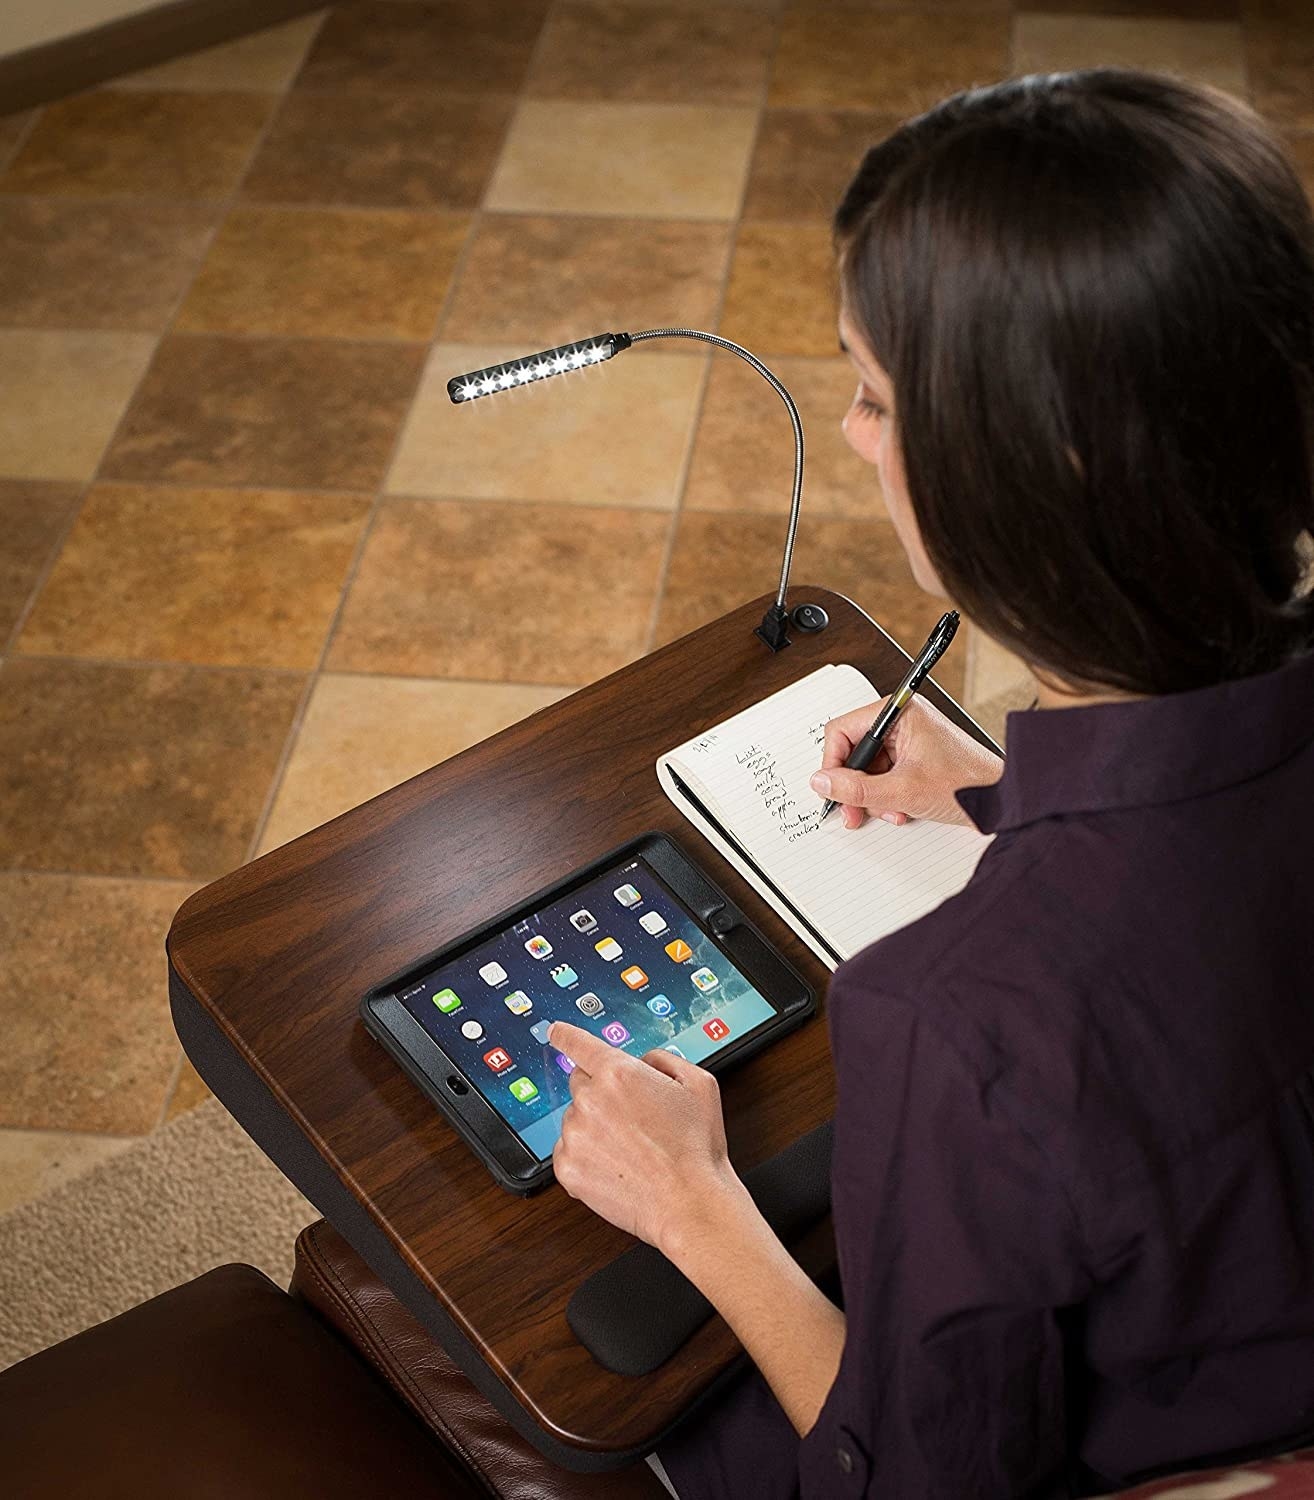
[[620, 956]]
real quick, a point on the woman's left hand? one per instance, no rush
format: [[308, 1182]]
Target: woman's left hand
[[643, 1141]]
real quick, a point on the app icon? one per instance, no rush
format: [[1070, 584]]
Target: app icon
[[627, 895], [538, 947], [671, 1047], [679, 951], [472, 1029], [609, 948], [615, 1033], [659, 1005], [447, 1001], [518, 1003], [524, 1090], [634, 977], [564, 1063], [653, 922], [492, 973], [704, 979], [583, 921], [539, 1031], [716, 1028], [590, 1004], [564, 975], [498, 1058]]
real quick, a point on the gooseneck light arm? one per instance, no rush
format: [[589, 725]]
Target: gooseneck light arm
[[578, 356]]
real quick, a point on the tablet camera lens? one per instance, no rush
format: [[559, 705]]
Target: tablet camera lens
[[458, 1085]]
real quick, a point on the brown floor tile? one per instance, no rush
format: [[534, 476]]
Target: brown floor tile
[[658, 161], [383, 45], [1207, 51], [929, 7], [218, 577], [154, 771], [11, 132], [574, 439], [743, 457], [84, 1002], [31, 518], [66, 264], [264, 62], [1189, 10], [781, 298], [61, 396], [897, 62], [380, 151], [502, 593], [344, 273], [723, 561], [537, 281], [362, 735], [304, 414], [189, 1091], [162, 145], [602, 49], [805, 159], [1280, 61], [36, 1162]]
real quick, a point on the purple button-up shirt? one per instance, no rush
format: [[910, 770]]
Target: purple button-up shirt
[[1073, 1179]]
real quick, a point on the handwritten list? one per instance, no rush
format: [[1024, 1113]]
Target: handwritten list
[[853, 886]]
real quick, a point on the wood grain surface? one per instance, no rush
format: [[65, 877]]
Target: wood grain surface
[[280, 952]]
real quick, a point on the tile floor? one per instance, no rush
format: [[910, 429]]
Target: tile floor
[[254, 568]]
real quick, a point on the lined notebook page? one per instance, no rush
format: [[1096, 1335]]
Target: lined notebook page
[[853, 886]]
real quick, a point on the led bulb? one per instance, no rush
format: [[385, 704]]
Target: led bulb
[[519, 372]]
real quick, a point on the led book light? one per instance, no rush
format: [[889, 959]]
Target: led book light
[[579, 356]]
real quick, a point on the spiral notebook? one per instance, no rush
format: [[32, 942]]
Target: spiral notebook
[[744, 786]]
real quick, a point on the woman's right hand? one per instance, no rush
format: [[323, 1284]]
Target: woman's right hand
[[924, 760]]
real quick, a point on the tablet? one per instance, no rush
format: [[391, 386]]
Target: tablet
[[640, 948]]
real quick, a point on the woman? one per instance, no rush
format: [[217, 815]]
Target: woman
[[1074, 1155]]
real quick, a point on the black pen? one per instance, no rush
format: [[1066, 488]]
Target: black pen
[[864, 752]]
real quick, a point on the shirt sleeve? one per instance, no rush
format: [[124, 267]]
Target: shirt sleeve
[[962, 1272]]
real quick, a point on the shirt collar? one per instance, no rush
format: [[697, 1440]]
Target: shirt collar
[[1147, 750]]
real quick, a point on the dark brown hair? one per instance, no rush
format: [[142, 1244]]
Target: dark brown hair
[[1094, 295]]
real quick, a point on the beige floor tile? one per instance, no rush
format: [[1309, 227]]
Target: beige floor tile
[[282, 413], [113, 142], [149, 771], [84, 1002], [615, 435], [32, 516], [362, 735], [781, 297], [61, 397], [805, 158], [743, 456], [264, 62], [658, 161], [326, 273], [721, 561], [502, 593], [70, 264], [628, 49], [217, 577], [11, 132], [188, 1092], [35, 1162], [1190, 10], [380, 151], [896, 62], [994, 671], [539, 281], [1206, 51]]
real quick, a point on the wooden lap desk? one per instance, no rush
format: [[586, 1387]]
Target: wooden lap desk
[[267, 966]]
